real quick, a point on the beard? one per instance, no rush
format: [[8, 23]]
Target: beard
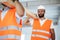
[[40, 16]]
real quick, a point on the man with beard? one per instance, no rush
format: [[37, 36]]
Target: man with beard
[[42, 27]]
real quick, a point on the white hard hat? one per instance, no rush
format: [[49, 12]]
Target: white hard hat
[[41, 7]]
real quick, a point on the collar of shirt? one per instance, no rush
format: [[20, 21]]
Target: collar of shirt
[[18, 17], [42, 21]]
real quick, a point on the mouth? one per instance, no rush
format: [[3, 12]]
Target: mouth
[[40, 16]]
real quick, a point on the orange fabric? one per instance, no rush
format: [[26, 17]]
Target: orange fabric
[[37, 38], [8, 39], [10, 20], [10, 16], [45, 26], [41, 33], [6, 32], [0, 17], [9, 5]]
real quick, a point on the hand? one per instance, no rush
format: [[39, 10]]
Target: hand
[[3, 0], [6, 4], [13, 2]]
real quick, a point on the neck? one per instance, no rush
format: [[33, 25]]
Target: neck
[[42, 18]]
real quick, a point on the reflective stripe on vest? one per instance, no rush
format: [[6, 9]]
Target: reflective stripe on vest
[[11, 27], [10, 32], [41, 36], [10, 37], [41, 32]]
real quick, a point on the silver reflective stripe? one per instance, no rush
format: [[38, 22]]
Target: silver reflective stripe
[[11, 27], [4, 28], [41, 31], [41, 36], [14, 27], [3, 37], [10, 36]]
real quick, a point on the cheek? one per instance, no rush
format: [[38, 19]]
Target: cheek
[[40, 12], [22, 14]]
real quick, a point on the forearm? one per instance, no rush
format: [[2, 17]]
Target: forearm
[[28, 13], [26, 21], [6, 4], [52, 34], [19, 7]]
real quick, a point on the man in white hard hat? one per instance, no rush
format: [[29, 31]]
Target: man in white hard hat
[[42, 27]]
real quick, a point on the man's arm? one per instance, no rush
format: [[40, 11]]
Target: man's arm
[[19, 8], [27, 21], [52, 34], [15, 4], [6, 4], [30, 14]]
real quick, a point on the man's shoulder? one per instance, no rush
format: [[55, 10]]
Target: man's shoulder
[[49, 19]]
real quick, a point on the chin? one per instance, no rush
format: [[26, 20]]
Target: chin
[[22, 15]]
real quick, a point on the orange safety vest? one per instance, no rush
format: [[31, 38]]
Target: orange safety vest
[[41, 32], [10, 29], [0, 17]]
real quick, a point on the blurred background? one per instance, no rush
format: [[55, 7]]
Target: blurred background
[[52, 12]]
